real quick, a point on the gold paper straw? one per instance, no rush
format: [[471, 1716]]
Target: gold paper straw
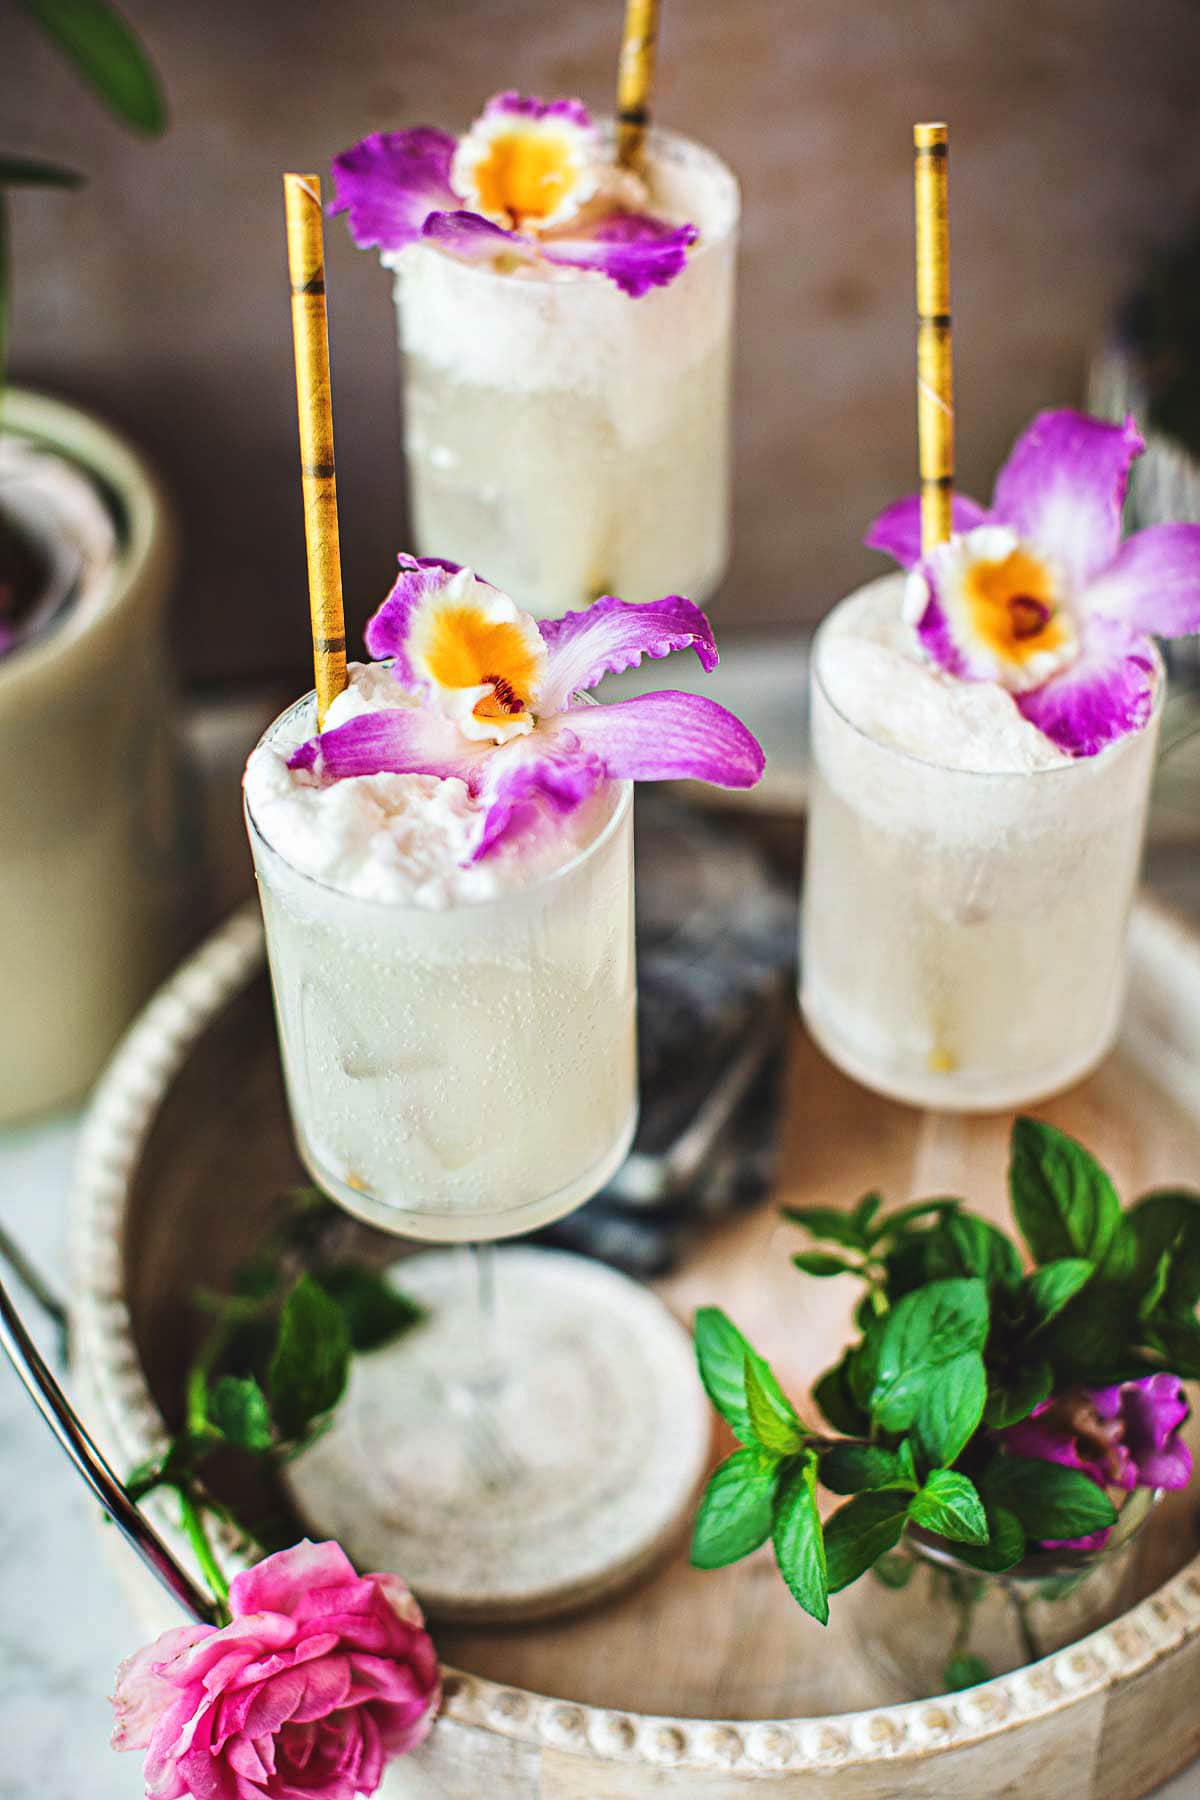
[[635, 81], [310, 337], [935, 378]]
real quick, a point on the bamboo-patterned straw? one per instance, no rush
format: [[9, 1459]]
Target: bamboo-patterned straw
[[310, 337], [635, 81], [935, 381]]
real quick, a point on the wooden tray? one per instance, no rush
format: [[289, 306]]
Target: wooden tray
[[693, 1684]]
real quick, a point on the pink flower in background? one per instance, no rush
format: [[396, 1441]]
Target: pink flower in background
[[1124, 1436], [530, 182], [1038, 593], [321, 1677]]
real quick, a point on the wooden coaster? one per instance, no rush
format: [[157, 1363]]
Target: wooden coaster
[[521, 1470]]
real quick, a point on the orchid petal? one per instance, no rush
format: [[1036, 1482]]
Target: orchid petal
[[402, 740], [528, 164], [550, 767], [612, 635], [1063, 490], [387, 629], [668, 736], [1105, 693], [636, 252], [897, 530], [474, 239], [984, 609], [511, 104], [390, 182], [1153, 582]]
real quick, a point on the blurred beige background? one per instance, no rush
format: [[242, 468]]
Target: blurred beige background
[[157, 295]]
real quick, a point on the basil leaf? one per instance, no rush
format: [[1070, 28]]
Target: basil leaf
[[819, 1262], [1012, 1395], [772, 1420], [107, 54], [311, 1358], [1049, 1288], [950, 1408], [1063, 1201], [1047, 1499], [734, 1515], [860, 1532], [949, 1504], [238, 1408], [920, 1336], [799, 1541], [853, 1468], [830, 1223], [835, 1397]]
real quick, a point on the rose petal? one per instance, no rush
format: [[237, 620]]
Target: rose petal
[[612, 635], [897, 530], [1153, 582], [278, 1582], [142, 1693], [1107, 692], [635, 252], [1063, 490], [668, 736], [390, 182], [475, 239]]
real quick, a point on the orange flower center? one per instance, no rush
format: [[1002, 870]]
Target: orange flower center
[[526, 175], [466, 650], [1013, 609]]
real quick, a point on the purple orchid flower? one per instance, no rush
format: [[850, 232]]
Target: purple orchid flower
[[495, 692], [1039, 594], [1125, 1436], [528, 183]]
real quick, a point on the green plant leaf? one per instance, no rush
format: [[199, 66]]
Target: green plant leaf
[[799, 1541], [864, 1214], [238, 1408], [894, 1569], [1089, 1341], [835, 1397], [949, 1504], [974, 1246], [311, 1358], [920, 1337], [855, 1468], [1179, 1342], [374, 1311], [1005, 1546], [30, 171], [862, 1531], [723, 1355], [829, 1223], [1013, 1394], [1047, 1290], [819, 1262], [950, 1408], [1048, 1500], [963, 1670], [1063, 1201], [903, 1216], [735, 1511], [108, 54], [772, 1420]]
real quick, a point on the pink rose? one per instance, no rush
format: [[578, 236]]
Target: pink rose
[[321, 1677]]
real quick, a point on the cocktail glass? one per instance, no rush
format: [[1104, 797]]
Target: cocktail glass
[[458, 1075], [566, 439], [963, 943]]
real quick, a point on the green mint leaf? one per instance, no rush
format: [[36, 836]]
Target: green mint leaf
[[1049, 1288], [965, 1671], [723, 1356], [865, 1212], [1090, 1339], [830, 1223], [375, 1312], [862, 1531], [772, 1420], [974, 1246], [238, 1408], [835, 1397], [921, 1336], [735, 1510], [1165, 1223], [31, 171], [894, 1569], [903, 1216], [819, 1262], [311, 1358], [1179, 1342], [108, 55], [950, 1408], [799, 1541], [1005, 1546], [949, 1504], [1048, 1500], [1062, 1199], [855, 1468], [1013, 1394]]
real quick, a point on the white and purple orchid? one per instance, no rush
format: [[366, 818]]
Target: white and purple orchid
[[529, 183], [494, 701], [1039, 594]]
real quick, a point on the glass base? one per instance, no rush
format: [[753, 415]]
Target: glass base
[[518, 1469]]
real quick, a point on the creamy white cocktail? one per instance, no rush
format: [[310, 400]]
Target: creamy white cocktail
[[458, 1037], [967, 883], [566, 439]]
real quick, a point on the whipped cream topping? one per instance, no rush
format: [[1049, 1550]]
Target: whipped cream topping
[[400, 839], [872, 669]]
